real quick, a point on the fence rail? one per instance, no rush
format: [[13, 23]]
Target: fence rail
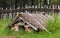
[[11, 13], [29, 9]]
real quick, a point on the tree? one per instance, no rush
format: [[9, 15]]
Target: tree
[[4, 4], [1, 3], [58, 1], [16, 4]]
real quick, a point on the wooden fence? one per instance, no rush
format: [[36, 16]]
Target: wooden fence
[[11, 13]]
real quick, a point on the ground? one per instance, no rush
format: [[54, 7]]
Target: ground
[[5, 33]]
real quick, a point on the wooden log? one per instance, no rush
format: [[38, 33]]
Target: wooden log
[[29, 24], [29, 19], [14, 21], [42, 19], [32, 20], [39, 20], [41, 25], [15, 28]]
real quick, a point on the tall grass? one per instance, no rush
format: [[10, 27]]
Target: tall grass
[[53, 25]]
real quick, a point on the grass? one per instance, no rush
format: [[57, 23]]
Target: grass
[[53, 25]]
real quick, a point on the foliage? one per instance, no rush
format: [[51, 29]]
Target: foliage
[[28, 2]]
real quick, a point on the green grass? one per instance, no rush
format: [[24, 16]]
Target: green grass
[[53, 25]]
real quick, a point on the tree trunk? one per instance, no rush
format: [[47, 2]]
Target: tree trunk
[[4, 4]]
